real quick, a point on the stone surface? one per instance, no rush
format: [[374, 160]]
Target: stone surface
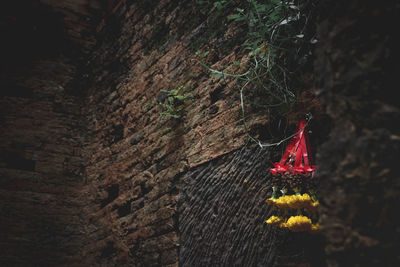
[[41, 168], [357, 163], [41, 140]]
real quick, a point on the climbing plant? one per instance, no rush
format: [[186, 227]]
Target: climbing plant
[[279, 43]]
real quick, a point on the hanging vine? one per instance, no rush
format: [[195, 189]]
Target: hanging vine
[[279, 42]]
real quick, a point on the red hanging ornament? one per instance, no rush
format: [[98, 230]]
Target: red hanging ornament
[[293, 176], [297, 158]]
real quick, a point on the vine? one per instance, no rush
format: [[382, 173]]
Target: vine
[[279, 42]]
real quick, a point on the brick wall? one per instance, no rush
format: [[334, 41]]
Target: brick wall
[[42, 131], [136, 157], [41, 167]]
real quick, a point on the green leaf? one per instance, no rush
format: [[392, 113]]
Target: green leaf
[[216, 75], [180, 97], [219, 4], [261, 8], [236, 17]]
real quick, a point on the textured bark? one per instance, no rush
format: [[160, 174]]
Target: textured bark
[[222, 217]]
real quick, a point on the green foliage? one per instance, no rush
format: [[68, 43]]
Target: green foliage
[[273, 36], [173, 104], [220, 4], [278, 41], [202, 55]]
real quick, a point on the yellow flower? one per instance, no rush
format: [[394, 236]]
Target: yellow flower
[[282, 202], [315, 228], [299, 223], [270, 201], [283, 225], [274, 220], [294, 202]]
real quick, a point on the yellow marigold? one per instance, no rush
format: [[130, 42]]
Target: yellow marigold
[[282, 202], [283, 225], [315, 228], [299, 223], [270, 201], [274, 220], [294, 202], [305, 197]]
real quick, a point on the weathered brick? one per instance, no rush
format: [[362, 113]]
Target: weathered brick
[[169, 256]]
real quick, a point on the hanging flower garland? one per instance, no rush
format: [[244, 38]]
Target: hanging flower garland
[[293, 176]]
